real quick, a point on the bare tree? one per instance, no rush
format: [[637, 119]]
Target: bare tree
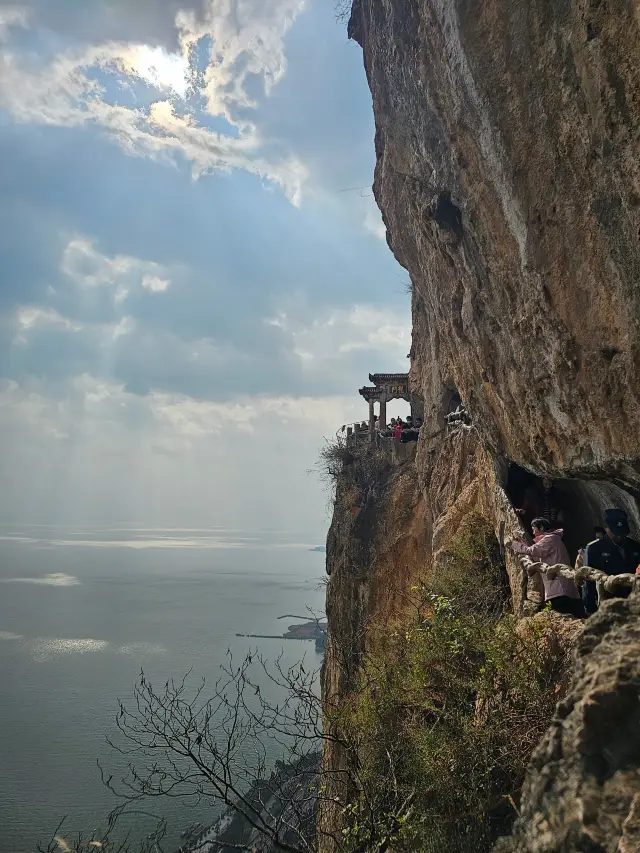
[[60, 842], [185, 741]]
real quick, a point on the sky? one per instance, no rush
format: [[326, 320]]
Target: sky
[[194, 278]]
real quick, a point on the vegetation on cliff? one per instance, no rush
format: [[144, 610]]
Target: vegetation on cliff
[[447, 711]]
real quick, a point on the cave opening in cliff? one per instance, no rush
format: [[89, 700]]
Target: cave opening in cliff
[[452, 401], [580, 502]]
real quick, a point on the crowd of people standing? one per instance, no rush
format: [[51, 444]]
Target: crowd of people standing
[[403, 431]]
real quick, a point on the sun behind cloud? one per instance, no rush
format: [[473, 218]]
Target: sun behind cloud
[[159, 68]]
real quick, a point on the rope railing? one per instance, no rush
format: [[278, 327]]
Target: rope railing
[[609, 584]]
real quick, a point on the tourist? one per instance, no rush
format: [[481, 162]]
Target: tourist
[[560, 592], [531, 506], [615, 554], [397, 431], [598, 533], [407, 426], [412, 430], [543, 501], [552, 502]]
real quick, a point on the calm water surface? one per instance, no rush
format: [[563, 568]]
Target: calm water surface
[[82, 611]]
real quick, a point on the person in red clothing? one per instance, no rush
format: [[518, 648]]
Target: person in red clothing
[[560, 592]]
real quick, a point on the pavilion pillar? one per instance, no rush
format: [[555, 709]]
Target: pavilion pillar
[[372, 421], [383, 411]]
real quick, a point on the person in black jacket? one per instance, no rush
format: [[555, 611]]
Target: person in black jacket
[[615, 554]]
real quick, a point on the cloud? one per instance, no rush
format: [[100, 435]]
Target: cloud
[[373, 219], [124, 327], [184, 461], [161, 69], [246, 43], [37, 325], [31, 317], [89, 268], [176, 350], [94, 20], [176, 418], [383, 334], [167, 328], [12, 16], [155, 284]]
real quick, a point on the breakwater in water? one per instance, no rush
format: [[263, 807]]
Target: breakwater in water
[[310, 630]]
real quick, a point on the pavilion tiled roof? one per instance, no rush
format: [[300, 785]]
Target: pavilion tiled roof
[[369, 391], [382, 378]]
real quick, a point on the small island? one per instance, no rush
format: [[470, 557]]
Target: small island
[[310, 630]]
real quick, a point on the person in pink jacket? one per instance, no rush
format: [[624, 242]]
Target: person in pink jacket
[[548, 547]]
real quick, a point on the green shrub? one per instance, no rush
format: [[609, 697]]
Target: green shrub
[[447, 713]]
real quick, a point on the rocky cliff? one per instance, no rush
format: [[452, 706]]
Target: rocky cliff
[[507, 174], [508, 177], [583, 787], [378, 542]]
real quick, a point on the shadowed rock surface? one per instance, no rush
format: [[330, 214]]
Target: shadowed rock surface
[[582, 791]]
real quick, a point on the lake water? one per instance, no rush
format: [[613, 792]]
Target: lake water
[[82, 611]]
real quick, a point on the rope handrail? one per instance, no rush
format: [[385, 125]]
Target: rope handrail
[[604, 582]]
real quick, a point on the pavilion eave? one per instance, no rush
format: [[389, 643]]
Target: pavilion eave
[[383, 378]]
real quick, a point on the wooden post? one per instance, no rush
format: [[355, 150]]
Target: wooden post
[[383, 411]]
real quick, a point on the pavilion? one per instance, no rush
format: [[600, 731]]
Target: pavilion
[[386, 387]]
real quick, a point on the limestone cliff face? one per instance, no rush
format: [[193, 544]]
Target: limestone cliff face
[[379, 541], [507, 139], [509, 181]]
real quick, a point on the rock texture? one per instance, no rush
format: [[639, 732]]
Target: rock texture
[[507, 139], [508, 177], [582, 791], [377, 546]]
